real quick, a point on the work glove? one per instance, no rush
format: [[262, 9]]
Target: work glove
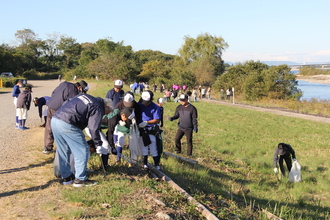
[[275, 170], [294, 160], [133, 121], [132, 115], [99, 149], [170, 118], [122, 123], [195, 129], [143, 124]]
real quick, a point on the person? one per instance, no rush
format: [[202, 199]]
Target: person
[[23, 105], [168, 95], [283, 152], [222, 93], [175, 95], [160, 103], [155, 87], [59, 78], [228, 92], [40, 102], [194, 94], [61, 94], [187, 114], [162, 88], [208, 92], [149, 127], [74, 77], [67, 124], [116, 93], [203, 91], [15, 93]]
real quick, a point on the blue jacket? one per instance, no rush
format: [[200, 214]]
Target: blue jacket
[[16, 91], [83, 111], [62, 93], [115, 96]]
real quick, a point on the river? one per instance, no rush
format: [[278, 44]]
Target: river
[[314, 90]]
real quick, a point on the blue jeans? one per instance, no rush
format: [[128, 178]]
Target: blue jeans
[[70, 140]]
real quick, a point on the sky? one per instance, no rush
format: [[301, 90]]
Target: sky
[[259, 30]]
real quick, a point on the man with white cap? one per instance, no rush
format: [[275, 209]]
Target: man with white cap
[[149, 127], [116, 93], [187, 124]]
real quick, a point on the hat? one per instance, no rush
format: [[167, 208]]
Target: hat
[[160, 101], [147, 97], [127, 111], [84, 85], [118, 84], [28, 88], [183, 97], [128, 99], [35, 99]]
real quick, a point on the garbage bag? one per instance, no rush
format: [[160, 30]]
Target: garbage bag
[[295, 172], [135, 144], [57, 172]]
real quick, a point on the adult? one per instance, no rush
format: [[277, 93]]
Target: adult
[[15, 93], [23, 105], [155, 87], [149, 127], [67, 124], [40, 102], [283, 152], [187, 113], [61, 94], [228, 92], [116, 93]]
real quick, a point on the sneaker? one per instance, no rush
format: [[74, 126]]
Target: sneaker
[[158, 167], [68, 180], [145, 166], [16, 127], [48, 151], [23, 128], [42, 126], [118, 162], [80, 183]]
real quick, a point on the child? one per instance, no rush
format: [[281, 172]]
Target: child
[[23, 105], [160, 103]]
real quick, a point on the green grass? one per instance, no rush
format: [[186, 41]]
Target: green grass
[[235, 149]]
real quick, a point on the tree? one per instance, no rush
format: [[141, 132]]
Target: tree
[[25, 36], [204, 51]]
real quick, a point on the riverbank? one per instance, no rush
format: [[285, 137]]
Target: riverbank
[[322, 79]]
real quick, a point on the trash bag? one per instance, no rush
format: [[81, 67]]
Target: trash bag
[[57, 172], [295, 172], [135, 144]]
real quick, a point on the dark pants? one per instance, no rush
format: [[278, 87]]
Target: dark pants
[[288, 163], [178, 137], [48, 137]]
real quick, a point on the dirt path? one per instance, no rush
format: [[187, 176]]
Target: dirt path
[[27, 181]]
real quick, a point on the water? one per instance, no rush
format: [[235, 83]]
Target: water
[[314, 90]]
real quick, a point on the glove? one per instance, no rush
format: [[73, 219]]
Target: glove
[[170, 118], [99, 149], [143, 124], [122, 123], [132, 115], [133, 121], [196, 130], [294, 160], [275, 170]]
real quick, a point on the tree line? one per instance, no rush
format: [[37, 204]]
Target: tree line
[[198, 62]]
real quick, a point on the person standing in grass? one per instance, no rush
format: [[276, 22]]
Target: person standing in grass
[[187, 113], [283, 152], [68, 124]]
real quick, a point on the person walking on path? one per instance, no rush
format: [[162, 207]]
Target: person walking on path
[[187, 114], [116, 94], [61, 93], [283, 152], [228, 92], [68, 124], [15, 93], [40, 102], [23, 105]]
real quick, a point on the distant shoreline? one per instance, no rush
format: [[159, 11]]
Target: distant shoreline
[[322, 79]]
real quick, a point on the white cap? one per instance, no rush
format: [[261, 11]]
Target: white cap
[[118, 84], [128, 100]]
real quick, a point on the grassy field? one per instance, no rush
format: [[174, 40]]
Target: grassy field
[[235, 149]]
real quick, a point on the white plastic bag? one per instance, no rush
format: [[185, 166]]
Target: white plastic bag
[[135, 144], [295, 173]]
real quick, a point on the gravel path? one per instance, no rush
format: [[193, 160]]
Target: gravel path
[[12, 141]]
